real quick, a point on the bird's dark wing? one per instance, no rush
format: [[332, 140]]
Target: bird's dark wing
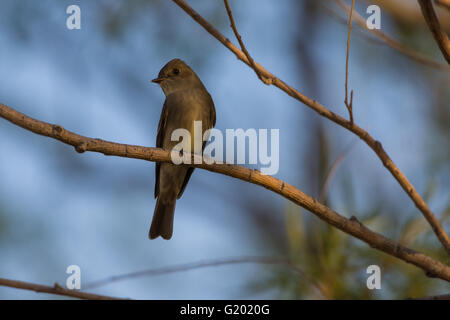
[[159, 144], [185, 182]]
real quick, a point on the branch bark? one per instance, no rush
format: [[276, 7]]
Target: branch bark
[[56, 289], [324, 112], [433, 23], [352, 226]]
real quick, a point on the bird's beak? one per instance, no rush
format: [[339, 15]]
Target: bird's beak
[[158, 80]]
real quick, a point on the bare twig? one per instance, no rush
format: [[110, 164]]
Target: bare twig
[[348, 104], [265, 80], [352, 226], [324, 112], [205, 264], [394, 43], [331, 172], [56, 289], [433, 23]]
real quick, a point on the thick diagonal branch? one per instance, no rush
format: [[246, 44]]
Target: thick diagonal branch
[[324, 112], [352, 226], [433, 23]]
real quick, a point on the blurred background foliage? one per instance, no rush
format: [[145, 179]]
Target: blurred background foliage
[[59, 208]]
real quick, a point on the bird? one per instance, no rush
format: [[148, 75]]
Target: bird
[[187, 100]]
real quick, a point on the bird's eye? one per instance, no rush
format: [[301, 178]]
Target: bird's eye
[[176, 71]]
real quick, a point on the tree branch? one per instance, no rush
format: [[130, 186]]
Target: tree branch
[[394, 43], [56, 289], [267, 81], [205, 264], [408, 15], [433, 23], [323, 194], [324, 112], [352, 226], [348, 104]]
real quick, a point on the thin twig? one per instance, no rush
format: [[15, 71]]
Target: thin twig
[[394, 43], [265, 80], [56, 289], [433, 23], [375, 145], [331, 172], [348, 104], [352, 226], [205, 264]]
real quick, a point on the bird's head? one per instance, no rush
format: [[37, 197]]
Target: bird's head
[[176, 75]]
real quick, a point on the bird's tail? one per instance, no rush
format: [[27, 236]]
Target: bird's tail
[[162, 223]]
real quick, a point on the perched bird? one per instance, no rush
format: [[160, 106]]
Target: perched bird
[[187, 100]]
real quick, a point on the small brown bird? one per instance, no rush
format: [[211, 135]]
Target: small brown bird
[[187, 100]]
